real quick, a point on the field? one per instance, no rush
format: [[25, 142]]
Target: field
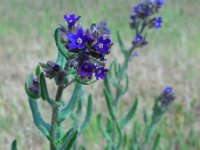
[[171, 58]]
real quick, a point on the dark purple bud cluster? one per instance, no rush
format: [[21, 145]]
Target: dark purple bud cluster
[[87, 48], [161, 103], [35, 87], [143, 16], [54, 71], [167, 96]]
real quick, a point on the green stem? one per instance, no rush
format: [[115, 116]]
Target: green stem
[[54, 120]]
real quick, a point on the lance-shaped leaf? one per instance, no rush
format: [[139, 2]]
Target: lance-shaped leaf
[[135, 144], [88, 114], [44, 91], [59, 43], [111, 68], [107, 86], [156, 142], [130, 114], [116, 70], [43, 87], [38, 120], [38, 71], [102, 130], [14, 145], [145, 118], [150, 130], [68, 139], [110, 106], [61, 61], [119, 134], [126, 85], [109, 125], [67, 109], [121, 44], [27, 85]]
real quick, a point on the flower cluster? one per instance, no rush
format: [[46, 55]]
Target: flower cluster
[[54, 71], [142, 17], [34, 88], [162, 103], [87, 48], [167, 96]]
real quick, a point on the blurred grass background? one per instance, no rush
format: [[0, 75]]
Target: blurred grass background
[[171, 58]]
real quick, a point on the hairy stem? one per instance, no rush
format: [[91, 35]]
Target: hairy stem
[[54, 119]]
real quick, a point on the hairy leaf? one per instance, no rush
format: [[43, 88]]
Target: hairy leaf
[[156, 142], [67, 109], [59, 43], [88, 114], [102, 130], [130, 114], [14, 145]]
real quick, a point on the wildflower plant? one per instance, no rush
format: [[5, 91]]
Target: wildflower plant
[[81, 61], [116, 84]]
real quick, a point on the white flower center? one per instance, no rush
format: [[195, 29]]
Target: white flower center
[[100, 45], [79, 41]]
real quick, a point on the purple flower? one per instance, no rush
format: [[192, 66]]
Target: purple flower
[[101, 73], [77, 40], [138, 38], [71, 19], [167, 96], [86, 69], [103, 28], [158, 23], [103, 45], [35, 87], [160, 2], [138, 7], [53, 70]]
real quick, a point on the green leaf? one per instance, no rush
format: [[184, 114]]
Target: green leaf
[[61, 61], [150, 132], [121, 44], [102, 130], [67, 109], [109, 125], [59, 43], [88, 114], [130, 114], [38, 71], [38, 120], [126, 85], [27, 85], [135, 144], [43, 87], [111, 109], [29, 93], [116, 71], [69, 139], [111, 68], [107, 87], [14, 145], [145, 118], [156, 142], [63, 139]]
